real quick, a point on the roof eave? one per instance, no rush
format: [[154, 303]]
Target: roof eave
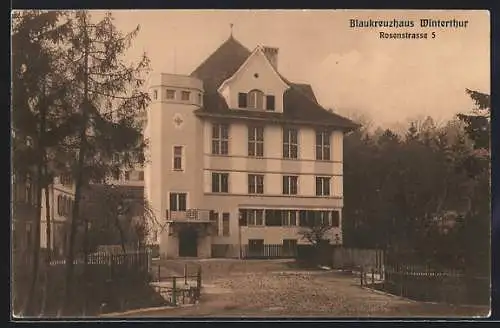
[[276, 120]]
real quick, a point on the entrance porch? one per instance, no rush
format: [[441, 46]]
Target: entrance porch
[[186, 237]]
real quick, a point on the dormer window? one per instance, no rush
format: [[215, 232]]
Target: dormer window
[[256, 99], [270, 103], [242, 100]]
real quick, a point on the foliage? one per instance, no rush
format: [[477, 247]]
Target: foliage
[[77, 105], [398, 189], [315, 232], [118, 217]]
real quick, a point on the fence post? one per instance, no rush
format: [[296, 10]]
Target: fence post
[[373, 277], [361, 276], [198, 277], [185, 274], [174, 291], [401, 282], [198, 283], [158, 276]]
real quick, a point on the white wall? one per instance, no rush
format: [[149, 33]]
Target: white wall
[[272, 165], [268, 81]]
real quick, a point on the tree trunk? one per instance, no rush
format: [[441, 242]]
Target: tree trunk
[[49, 239], [122, 234], [48, 228], [79, 182], [31, 301]]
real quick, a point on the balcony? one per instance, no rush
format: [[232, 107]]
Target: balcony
[[190, 215]]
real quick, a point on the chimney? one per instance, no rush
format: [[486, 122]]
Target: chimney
[[271, 54]]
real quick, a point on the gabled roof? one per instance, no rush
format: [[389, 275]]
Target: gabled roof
[[254, 53], [300, 103]]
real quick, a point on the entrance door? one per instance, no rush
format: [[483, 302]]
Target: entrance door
[[188, 242]]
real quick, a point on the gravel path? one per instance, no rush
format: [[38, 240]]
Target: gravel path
[[302, 294]]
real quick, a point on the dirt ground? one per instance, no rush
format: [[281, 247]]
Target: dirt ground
[[253, 289]]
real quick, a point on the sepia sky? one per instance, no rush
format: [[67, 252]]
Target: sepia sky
[[351, 70]]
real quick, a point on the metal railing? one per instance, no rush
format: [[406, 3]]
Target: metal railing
[[189, 215]]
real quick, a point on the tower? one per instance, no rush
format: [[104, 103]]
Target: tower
[[175, 154]]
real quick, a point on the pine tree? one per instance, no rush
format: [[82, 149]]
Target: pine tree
[[111, 104], [37, 102]]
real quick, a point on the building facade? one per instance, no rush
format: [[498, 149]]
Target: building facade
[[241, 159], [126, 184]]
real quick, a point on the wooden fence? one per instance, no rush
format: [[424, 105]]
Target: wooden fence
[[185, 289], [110, 279], [139, 262], [426, 284]]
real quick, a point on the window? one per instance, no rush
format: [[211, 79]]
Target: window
[[290, 143], [290, 185], [220, 182], [335, 218], [303, 219], [200, 99], [322, 186], [141, 176], [251, 217], [185, 95], [323, 145], [178, 202], [256, 141], [270, 103], [225, 224], [255, 217], [255, 184], [220, 139], [170, 94], [214, 217], [177, 158], [324, 218], [242, 100], [256, 99], [155, 94], [273, 218], [288, 218], [127, 175]]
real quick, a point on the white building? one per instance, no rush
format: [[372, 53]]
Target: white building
[[240, 158]]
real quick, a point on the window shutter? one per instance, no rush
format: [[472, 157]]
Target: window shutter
[[270, 103], [242, 100]]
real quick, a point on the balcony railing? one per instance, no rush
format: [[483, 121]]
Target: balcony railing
[[190, 215]]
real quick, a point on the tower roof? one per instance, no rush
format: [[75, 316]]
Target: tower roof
[[221, 64]]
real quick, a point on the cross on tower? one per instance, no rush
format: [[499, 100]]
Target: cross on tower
[[178, 121], [231, 27]]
